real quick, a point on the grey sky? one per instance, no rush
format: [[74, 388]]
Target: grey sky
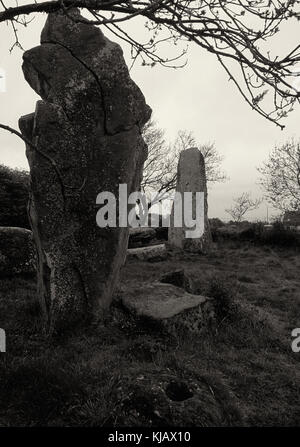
[[197, 98]]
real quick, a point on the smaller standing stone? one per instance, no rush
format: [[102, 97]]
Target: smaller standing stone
[[191, 177]]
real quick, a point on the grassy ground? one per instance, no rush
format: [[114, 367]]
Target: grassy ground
[[241, 373]]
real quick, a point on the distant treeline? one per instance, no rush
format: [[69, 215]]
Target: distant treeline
[[255, 233], [14, 193], [14, 190]]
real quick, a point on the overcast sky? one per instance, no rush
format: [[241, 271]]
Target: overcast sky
[[198, 98]]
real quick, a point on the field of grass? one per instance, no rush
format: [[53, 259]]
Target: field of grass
[[121, 372]]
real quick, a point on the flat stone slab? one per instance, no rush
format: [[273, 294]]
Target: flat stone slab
[[160, 301], [178, 278], [141, 236], [142, 231], [151, 254]]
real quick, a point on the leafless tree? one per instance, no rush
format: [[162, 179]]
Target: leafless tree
[[213, 160], [160, 170], [280, 176], [238, 32], [242, 205]]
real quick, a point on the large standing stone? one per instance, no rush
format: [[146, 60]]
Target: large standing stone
[[190, 178], [87, 133]]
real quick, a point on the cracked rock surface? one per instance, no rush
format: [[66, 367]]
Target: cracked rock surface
[[87, 136]]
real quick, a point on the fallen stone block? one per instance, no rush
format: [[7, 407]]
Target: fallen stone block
[[154, 253], [169, 306], [139, 237], [178, 278]]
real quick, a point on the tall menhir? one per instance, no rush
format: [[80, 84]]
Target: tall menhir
[[191, 178], [86, 138]]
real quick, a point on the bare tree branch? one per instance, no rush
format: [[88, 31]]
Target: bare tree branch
[[236, 31], [280, 176], [242, 205], [160, 169]]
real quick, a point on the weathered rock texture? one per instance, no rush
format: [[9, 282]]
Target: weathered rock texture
[[147, 236], [141, 237], [169, 306], [191, 177], [178, 278], [154, 253], [17, 251], [87, 133]]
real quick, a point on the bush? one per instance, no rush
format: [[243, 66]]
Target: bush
[[14, 193], [278, 235], [214, 224], [233, 232], [281, 236], [258, 234]]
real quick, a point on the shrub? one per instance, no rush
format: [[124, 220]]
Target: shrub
[[258, 234], [214, 224], [14, 192], [279, 235]]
